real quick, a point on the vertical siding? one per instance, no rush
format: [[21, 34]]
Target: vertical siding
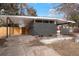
[[17, 31], [43, 29]]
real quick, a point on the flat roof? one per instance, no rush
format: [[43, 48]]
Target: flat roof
[[16, 18]]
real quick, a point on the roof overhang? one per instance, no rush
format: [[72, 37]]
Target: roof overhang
[[18, 19]]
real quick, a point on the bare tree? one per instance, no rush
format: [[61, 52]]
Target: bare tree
[[32, 12], [68, 8], [71, 11], [10, 8], [13, 8]]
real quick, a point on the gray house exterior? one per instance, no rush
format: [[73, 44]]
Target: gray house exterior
[[44, 29], [42, 26]]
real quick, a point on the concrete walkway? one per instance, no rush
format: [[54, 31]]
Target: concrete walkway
[[55, 39]]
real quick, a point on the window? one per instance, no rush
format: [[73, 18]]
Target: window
[[51, 21], [38, 21], [45, 21]]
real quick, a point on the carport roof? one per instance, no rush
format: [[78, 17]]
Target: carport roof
[[18, 19]]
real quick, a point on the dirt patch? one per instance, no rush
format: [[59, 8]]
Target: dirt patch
[[41, 51], [66, 47], [35, 43], [2, 41]]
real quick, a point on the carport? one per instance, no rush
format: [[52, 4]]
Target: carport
[[33, 25]]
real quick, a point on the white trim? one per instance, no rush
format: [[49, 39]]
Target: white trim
[[36, 17]]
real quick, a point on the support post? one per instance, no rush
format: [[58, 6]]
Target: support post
[[7, 27]]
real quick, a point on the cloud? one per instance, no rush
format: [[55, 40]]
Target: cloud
[[55, 14], [52, 13]]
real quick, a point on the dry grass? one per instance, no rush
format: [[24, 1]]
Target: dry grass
[[66, 48], [35, 43]]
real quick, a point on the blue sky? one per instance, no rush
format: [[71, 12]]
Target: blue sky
[[43, 8]]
